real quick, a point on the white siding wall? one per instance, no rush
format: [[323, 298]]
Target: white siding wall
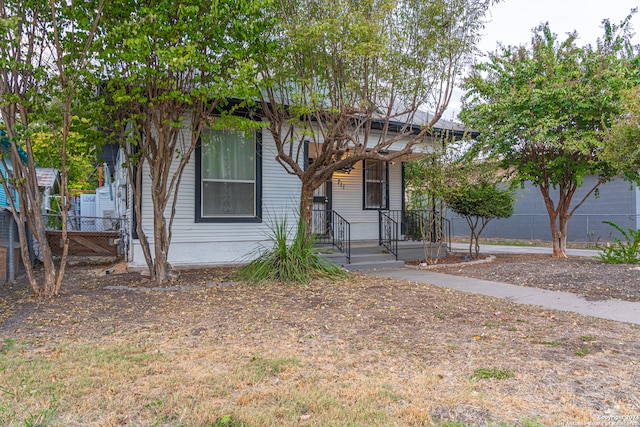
[[223, 243], [231, 243], [347, 200]]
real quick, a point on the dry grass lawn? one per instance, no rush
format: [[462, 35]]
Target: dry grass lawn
[[365, 352]]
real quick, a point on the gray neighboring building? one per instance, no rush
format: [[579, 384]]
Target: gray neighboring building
[[617, 201]]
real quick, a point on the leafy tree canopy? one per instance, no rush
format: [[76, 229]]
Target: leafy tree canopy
[[484, 200], [479, 203], [351, 79], [548, 105], [81, 153], [543, 111], [170, 69], [623, 137]]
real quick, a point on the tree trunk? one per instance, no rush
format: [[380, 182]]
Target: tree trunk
[[24, 252], [563, 220], [35, 218], [558, 237], [473, 239], [160, 244], [136, 180], [306, 207], [50, 274]]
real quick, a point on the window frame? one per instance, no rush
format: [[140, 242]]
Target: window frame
[[257, 217], [383, 170]]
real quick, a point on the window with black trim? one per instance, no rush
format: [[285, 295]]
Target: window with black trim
[[376, 184], [228, 184]]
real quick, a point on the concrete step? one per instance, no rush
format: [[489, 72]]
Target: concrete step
[[366, 261], [379, 257], [369, 255], [379, 260], [380, 265], [337, 257]]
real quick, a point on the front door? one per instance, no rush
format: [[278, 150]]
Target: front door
[[322, 210]]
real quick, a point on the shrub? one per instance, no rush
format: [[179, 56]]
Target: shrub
[[295, 263], [627, 252], [479, 204]]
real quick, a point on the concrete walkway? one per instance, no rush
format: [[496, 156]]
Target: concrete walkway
[[623, 311]]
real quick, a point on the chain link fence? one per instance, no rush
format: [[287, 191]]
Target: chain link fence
[[587, 228]]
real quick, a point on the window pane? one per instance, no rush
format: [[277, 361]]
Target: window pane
[[228, 198], [375, 184], [372, 195], [228, 155], [372, 170], [228, 174]]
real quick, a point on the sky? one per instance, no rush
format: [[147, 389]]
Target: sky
[[511, 21]]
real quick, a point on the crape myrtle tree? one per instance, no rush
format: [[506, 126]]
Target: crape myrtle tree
[[348, 77], [542, 110], [82, 145], [169, 68], [622, 146], [429, 180], [446, 179], [44, 55], [478, 203]]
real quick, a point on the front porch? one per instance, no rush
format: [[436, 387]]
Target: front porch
[[403, 235]]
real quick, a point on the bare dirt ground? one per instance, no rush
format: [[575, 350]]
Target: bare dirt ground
[[414, 342], [580, 275]]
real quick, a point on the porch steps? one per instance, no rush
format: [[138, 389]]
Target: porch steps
[[369, 255], [364, 257]]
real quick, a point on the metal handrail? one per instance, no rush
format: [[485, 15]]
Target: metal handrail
[[388, 232], [331, 228], [421, 225], [342, 234]]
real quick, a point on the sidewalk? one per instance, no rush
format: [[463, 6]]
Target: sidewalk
[[623, 311]]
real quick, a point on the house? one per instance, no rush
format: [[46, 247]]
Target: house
[[9, 242], [617, 201], [233, 191]]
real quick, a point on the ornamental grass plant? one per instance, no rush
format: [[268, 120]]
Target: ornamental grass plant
[[295, 262]]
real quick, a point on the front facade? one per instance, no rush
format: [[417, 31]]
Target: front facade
[[359, 194], [233, 192]]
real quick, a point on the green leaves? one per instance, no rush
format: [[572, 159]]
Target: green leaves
[[485, 200], [375, 54], [622, 252], [290, 261], [622, 138], [544, 109], [183, 53]]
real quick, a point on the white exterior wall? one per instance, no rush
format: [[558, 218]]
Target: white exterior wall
[[225, 242], [120, 188], [232, 243], [347, 200]]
